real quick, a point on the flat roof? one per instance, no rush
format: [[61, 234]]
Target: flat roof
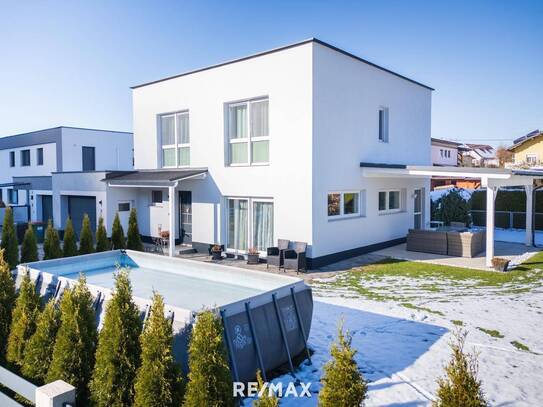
[[5, 138], [448, 142], [285, 47], [158, 178]]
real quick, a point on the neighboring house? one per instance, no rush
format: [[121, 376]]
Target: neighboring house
[[28, 160], [445, 152], [528, 150], [478, 155], [271, 146]]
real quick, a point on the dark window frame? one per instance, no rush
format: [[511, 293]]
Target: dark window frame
[[12, 158], [25, 158], [39, 156], [155, 197], [86, 165]]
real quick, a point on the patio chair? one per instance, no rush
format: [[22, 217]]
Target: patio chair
[[275, 254], [295, 259]]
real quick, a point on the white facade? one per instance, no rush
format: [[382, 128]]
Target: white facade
[[444, 153], [328, 112]]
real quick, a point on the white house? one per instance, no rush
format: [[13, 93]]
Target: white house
[[444, 152], [480, 155], [28, 161], [273, 145]]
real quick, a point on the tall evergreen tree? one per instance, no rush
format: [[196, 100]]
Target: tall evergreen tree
[[343, 384], [39, 350], [267, 399], [460, 386], [7, 301], [210, 382], [133, 241], [118, 352], [51, 243], [86, 244], [158, 381], [73, 353], [117, 234], [69, 248], [102, 242], [29, 248], [23, 322], [9, 242]]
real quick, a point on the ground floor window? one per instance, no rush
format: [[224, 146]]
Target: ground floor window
[[13, 196], [250, 224], [344, 204], [389, 201]]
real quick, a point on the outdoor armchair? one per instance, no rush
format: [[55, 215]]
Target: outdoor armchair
[[275, 254], [295, 258]]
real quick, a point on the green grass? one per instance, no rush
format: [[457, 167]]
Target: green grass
[[520, 346], [492, 332], [418, 308], [457, 322]]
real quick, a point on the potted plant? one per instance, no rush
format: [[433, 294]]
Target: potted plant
[[253, 256], [216, 252], [500, 264]]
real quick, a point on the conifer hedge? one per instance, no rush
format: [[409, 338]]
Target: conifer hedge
[[51, 243], [117, 234], [102, 242], [29, 248], [69, 247], [7, 301], [86, 241], [9, 242], [133, 241]]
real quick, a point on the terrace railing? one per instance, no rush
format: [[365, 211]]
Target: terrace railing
[[506, 219], [55, 394]]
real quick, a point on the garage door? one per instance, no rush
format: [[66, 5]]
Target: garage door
[[80, 205]]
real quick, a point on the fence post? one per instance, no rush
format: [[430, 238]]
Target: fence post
[[55, 394]]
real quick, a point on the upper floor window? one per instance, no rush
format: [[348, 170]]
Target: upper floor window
[[12, 158], [175, 139], [88, 158], [248, 132], [25, 158], [383, 124], [39, 156]]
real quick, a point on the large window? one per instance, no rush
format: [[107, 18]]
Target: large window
[[25, 158], [383, 124], [344, 204], [175, 139], [250, 224], [248, 133], [389, 201], [13, 196], [12, 158], [39, 156]]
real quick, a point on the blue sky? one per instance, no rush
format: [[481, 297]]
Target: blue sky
[[72, 63]]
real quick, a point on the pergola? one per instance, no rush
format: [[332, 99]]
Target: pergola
[[491, 178]]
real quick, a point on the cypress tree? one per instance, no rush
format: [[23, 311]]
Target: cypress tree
[[73, 353], [51, 243], [133, 241], [343, 382], [9, 242], [102, 242], [210, 382], [117, 234], [23, 322], [266, 399], [39, 351], [118, 352], [69, 248], [7, 301], [460, 386], [86, 244], [158, 381], [29, 248]]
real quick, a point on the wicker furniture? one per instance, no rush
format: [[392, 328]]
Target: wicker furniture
[[295, 258], [446, 242], [427, 241], [465, 244], [275, 254]]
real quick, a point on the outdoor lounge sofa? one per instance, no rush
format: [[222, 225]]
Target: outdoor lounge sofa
[[427, 241], [275, 254], [452, 243]]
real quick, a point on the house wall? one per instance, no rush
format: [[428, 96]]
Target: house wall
[[439, 159], [531, 147], [347, 96], [286, 78]]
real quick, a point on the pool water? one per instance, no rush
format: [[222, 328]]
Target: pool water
[[195, 294]]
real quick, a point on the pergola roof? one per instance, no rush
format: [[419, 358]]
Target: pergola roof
[[152, 178]]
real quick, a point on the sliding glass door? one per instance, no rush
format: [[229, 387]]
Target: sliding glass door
[[250, 224]]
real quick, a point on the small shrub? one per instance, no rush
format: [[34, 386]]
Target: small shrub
[[86, 244], [460, 386], [29, 248], [7, 301], [343, 384], [23, 322], [102, 242], [133, 241], [267, 399], [73, 353], [51, 243], [158, 381], [69, 248], [210, 382], [39, 351], [117, 234], [9, 242]]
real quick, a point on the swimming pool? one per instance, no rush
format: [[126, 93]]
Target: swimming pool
[[266, 316]]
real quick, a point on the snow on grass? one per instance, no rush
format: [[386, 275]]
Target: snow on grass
[[402, 317]]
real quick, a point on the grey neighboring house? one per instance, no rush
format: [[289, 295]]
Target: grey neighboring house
[[29, 161]]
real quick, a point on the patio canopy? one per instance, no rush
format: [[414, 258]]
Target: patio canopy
[[491, 178], [152, 178]]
